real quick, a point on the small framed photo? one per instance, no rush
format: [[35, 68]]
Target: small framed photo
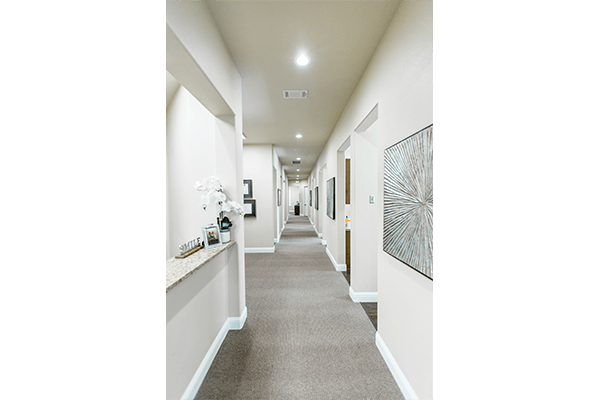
[[212, 238], [249, 208], [247, 188]]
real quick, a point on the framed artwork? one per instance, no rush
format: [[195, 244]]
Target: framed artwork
[[247, 188], [310, 197], [249, 208], [331, 198], [212, 238], [278, 197], [408, 201], [317, 198]]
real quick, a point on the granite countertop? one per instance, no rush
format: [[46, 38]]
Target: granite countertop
[[178, 269]]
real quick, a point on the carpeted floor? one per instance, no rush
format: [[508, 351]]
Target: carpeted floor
[[304, 337]]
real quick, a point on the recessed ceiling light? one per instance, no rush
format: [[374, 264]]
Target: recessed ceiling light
[[299, 136], [302, 60], [298, 158], [297, 170]]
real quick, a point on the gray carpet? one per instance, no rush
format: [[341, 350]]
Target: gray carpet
[[304, 337]]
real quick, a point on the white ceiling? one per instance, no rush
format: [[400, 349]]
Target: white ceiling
[[265, 37]]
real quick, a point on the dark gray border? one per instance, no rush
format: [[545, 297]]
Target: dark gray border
[[253, 202], [249, 182]]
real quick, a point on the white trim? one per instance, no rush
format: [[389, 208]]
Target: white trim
[[259, 249], [338, 267], [317, 232], [401, 381], [324, 242], [194, 385], [237, 323], [363, 297], [276, 240]]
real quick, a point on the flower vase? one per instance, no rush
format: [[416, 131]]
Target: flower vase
[[225, 225], [225, 236]]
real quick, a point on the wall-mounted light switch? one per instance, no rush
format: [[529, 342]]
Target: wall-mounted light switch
[[371, 199]]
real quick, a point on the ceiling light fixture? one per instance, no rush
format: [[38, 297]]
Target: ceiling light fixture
[[302, 60], [298, 158], [299, 136]]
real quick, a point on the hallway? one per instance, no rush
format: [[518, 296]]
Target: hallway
[[304, 337]]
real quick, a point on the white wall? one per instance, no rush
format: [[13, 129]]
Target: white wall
[[188, 338], [190, 158], [214, 147], [364, 183], [258, 166], [294, 195], [399, 80], [279, 185], [285, 197], [305, 197]]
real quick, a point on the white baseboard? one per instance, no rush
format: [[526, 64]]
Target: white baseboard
[[259, 249], [338, 267], [276, 240], [401, 381], [237, 323], [194, 385], [363, 297], [324, 242]]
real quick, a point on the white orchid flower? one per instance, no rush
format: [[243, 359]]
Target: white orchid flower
[[212, 192], [218, 197]]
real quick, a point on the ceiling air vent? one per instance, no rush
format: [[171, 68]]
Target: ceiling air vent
[[296, 162], [295, 94]]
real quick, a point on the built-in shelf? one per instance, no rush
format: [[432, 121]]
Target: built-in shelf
[[178, 269]]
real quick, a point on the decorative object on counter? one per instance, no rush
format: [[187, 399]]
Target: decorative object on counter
[[225, 224], [331, 198], [249, 208], [212, 192], [190, 248], [212, 236], [408, 201], [247, 188]]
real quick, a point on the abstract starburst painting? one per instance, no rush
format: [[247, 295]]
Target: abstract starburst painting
[[331, 198], [408, 201]]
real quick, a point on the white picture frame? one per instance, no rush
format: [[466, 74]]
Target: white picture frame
[[212, 236]]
